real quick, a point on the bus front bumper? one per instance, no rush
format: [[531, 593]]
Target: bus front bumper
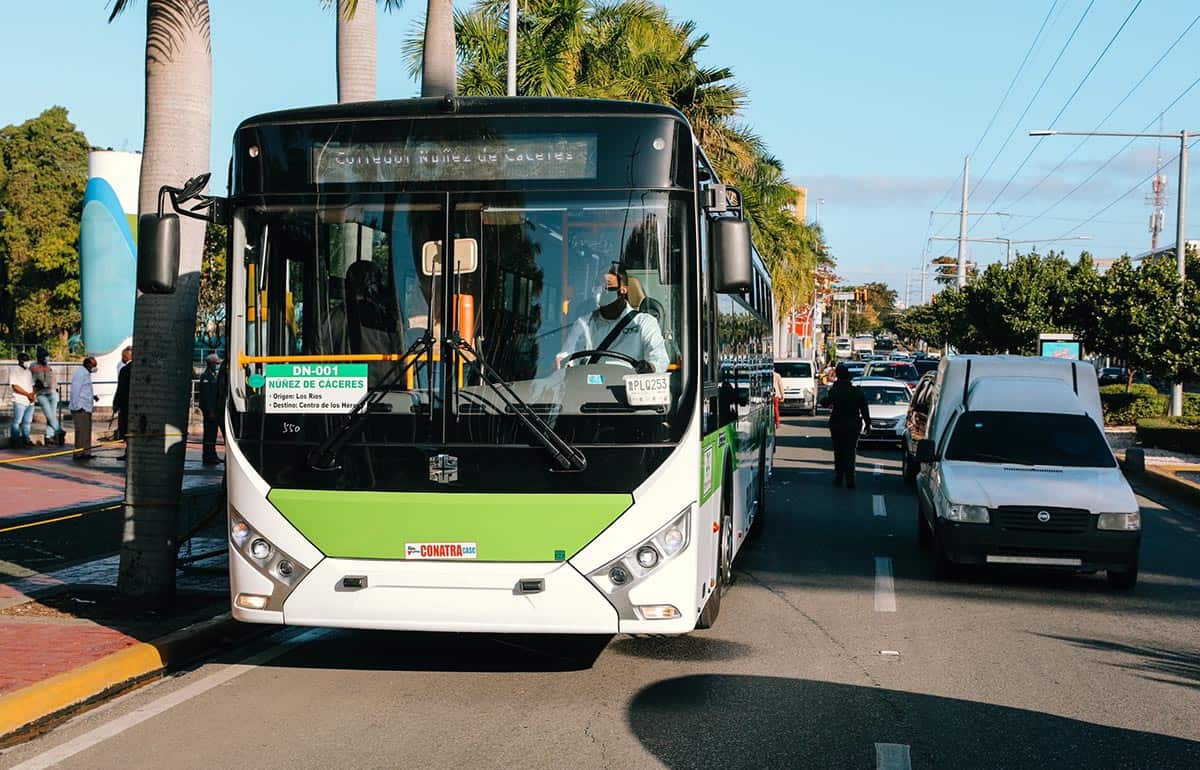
[[450, 596]]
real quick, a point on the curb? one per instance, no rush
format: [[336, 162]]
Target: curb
[[33, 710], [96, 506], [1164, 477]]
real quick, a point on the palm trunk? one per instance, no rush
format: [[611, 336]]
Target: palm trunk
[[439, 68], [176, 146], [356, 51]]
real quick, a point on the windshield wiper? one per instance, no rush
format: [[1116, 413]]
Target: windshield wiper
[[324, 457], [570, 458]]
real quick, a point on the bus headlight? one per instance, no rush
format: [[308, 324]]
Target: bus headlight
[[268, 560], [619, 575]]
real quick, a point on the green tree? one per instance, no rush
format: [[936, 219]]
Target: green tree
[[1009, 306], [211, 303], [43, 173], [175, 147]]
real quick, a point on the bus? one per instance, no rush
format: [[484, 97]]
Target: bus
[[425, 430]]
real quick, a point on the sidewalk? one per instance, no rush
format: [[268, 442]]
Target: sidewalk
[[39, 481], [67, 639]]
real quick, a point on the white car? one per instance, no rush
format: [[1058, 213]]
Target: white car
[[887, 402], [1015, 470], [799, 385]]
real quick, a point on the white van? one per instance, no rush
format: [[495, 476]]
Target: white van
[[799, 385], [1015, 470]]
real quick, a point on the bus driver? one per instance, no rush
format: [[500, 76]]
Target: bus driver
[[616, 326]]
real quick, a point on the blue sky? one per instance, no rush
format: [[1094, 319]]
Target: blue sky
[[871, 105]]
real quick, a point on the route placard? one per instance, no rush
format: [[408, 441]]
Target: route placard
[[325, 388]]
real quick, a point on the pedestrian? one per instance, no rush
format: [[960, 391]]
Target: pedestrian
[[211, 407], [83, 401], [777, 382], [126, 357], [20, 381], [45, 389], [121, 399], [849, 417]]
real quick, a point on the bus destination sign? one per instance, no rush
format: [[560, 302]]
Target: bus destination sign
[[514, 157]]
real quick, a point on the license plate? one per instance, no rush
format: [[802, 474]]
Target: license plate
[[648, 389]]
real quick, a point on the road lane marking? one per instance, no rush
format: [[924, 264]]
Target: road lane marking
[[892, 756], [165, 703], [885, 587], [878, 507], [878, 469]]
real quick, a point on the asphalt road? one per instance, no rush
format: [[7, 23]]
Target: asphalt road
[[813, 663]]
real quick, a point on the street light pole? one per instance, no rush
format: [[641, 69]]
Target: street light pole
[[962, 227], [512, 47], [1180, 215]]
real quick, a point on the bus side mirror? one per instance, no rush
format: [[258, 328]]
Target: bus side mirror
[[925, 451], [158, 253], [730, 240]]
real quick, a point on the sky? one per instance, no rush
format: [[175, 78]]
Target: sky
[[871, 105]]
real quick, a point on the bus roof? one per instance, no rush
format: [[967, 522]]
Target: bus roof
[[462, 105]]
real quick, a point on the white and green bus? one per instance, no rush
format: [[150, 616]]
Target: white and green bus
[[495, 365]]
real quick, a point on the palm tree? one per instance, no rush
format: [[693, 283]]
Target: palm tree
[[175, 147], [357, 46], [440, 76]]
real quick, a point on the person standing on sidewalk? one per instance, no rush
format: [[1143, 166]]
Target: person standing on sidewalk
[[849, 417], [121, 399], [20, 381], [210, 406], [45, 388], [83, 401]]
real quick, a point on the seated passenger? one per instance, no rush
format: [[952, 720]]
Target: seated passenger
[[637, 335]]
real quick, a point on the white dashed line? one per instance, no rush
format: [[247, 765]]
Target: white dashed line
[[892, 756], [878, 469], [885, 587], [878, 507]]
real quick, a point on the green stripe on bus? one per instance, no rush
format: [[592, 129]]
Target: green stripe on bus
[[712, 459], [505, 527]]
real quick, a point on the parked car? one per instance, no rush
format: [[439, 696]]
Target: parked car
[[1112, 375], [799, 386], [887, 401], [915, 423], [896, 370], [1015, 470]]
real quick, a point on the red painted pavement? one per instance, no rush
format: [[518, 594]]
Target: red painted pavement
[[35, 649]]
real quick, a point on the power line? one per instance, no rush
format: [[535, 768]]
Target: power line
[[1036, 93], [1066, 104], [1112, 157], [1111, 112], [1003, 100], [1125, 194]]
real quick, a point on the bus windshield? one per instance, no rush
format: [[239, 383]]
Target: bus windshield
[[574, 299]]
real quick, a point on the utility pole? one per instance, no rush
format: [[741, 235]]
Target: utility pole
[[512, 47], [962, 226]]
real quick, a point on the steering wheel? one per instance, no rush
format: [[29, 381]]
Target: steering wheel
[[636, 364]]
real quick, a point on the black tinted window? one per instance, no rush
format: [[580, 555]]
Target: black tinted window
[[1070, 440], [923, 365], [793, 369], [897, 371]]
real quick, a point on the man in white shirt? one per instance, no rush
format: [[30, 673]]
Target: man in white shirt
[[639, 337], [83, 401], [20, 381]]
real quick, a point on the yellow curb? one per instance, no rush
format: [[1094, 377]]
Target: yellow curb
[[1164, 476], [40, 700]]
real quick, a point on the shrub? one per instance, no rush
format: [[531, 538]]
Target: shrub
[[1178, 434], [1137, 388], [1191, 404], [1142, 401]]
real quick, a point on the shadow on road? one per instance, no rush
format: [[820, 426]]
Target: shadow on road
[[412, 651], [758, 721], [680, 648], [1178, 667]]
